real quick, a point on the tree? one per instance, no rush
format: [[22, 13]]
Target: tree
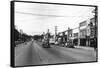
[[36, 37], [16, 34]]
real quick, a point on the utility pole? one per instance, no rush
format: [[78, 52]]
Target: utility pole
[[43, 35], [95, 36], [48, 31], [55, 33], [21, 32], [48, 34], [48, 38], [95, 26], [68, 34], [96, 21], [79, 37]]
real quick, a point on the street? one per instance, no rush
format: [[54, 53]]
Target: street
[[32, 53]]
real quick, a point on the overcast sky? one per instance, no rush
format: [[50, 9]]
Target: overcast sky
[[35, 18]]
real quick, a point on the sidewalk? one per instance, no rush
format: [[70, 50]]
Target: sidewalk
[[84, 47]]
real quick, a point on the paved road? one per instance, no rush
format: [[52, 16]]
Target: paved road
[[32, 53]]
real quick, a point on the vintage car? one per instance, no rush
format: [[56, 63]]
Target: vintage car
[[52, 41]]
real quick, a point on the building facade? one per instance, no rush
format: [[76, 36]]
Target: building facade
[[75, 40], [88, 33], [82, 33], [93, 32]]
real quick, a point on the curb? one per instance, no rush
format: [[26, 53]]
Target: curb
[[87, 48]]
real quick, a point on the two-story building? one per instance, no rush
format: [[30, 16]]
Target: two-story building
[[82, 33]]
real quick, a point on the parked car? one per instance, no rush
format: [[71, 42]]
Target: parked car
[[52, 41], [70, 44]]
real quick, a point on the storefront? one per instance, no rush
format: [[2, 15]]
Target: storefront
[[82, 41], [93, 42]]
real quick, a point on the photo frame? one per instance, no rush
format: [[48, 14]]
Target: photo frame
[[44, 33]]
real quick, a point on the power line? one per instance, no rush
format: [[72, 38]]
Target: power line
[[48, 15]]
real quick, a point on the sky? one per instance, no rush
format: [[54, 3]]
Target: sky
[[36, 18]]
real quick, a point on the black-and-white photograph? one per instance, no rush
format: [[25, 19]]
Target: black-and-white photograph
[[50, 33]]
